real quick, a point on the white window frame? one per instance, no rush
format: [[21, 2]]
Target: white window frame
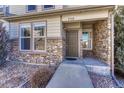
[[30, 10], [32, 36], [24, 25], [89, 30], [43, 24], [48, 8], [2, 8]]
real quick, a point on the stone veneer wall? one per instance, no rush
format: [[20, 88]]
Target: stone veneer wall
[[64, 47], [87, 53], [53, 55], [101, 41]]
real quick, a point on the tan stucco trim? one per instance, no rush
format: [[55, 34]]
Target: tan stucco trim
[[56, 12]]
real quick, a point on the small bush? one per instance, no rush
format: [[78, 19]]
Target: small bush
[[119, 40], [41, 77], [3, 44]]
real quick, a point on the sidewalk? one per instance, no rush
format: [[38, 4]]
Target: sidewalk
[[70, 74]]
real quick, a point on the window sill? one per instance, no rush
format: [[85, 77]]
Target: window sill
[[34, 52], [48, 9]]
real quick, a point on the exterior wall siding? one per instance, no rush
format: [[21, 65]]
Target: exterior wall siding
[[71, 6], [22, 9], [39, 8], [54, 49], [58, 6], [17, 9], [53, 26], [13, 30]]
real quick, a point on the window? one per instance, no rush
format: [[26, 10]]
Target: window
[[33, 39], [87, 39], [25, 36], [39, 35], [31, 8], [47, 7], [7, 10], [1, 8], [4, 9]]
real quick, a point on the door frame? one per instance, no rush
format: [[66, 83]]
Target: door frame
[[79, 35]]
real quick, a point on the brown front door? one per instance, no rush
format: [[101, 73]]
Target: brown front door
[[72, 43]]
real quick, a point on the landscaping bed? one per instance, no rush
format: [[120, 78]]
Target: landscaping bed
[[14, 74], [99, 73], [120, 80], [120, 77], [101, 81]]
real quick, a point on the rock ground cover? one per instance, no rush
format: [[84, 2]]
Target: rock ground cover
[[15, 74], [120, 80], [99, 73], [101, 81]]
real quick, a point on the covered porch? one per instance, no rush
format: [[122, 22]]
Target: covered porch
[[82, 39], [88, 34]]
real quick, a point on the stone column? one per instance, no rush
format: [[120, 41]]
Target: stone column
[[102, 38]]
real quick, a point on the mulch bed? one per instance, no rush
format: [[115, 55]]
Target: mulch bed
[[13, 74]]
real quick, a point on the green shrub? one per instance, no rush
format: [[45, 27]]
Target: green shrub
[[119, 40], [3, 44]]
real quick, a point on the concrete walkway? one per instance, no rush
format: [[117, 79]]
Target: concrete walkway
[[70, 74], [96, 66]]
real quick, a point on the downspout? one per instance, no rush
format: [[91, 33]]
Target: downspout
[[112, 45]]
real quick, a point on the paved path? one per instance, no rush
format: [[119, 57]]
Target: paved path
[[71, 74], [97, 66]]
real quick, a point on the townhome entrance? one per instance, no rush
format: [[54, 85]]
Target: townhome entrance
[[72, 43]]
